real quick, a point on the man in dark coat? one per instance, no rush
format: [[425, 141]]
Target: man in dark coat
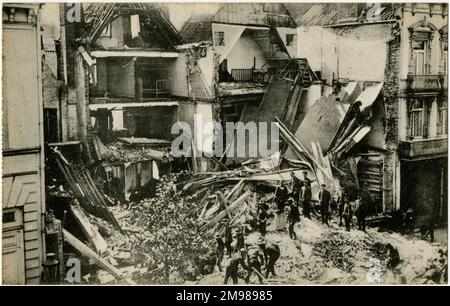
[[293, 217], [220, 249], [307, 195], [228, 240], [324, 199], [342, 199], [232, 270], [271, 254], [362, 209], [347, 214], [296, 187], [262, 219]]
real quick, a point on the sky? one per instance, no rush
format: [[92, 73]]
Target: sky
[[179, 12]]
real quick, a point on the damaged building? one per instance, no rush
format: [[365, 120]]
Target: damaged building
[[398, 149], [357, 93]]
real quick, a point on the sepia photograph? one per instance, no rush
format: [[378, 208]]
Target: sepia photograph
[[224, 143]]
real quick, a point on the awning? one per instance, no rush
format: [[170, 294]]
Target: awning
[[134, 53]]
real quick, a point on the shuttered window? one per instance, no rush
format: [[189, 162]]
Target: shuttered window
[[416, 118], [442, 122]]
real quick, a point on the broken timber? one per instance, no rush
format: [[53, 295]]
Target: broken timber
[[84, 189], [90, 231], [86, 251], [298, 148], [230, 208]]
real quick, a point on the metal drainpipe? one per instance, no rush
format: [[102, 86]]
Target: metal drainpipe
[[41, 166]]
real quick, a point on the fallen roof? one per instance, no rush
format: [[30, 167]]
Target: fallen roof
[[98, 15], [329, 14], [197, 29]]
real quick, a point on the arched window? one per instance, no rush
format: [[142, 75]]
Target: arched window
[[421, 36]]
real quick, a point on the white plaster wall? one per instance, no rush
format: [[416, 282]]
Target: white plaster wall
[[292, 50], [231, 35], [178, 76], [206, 65], [244, 52], [356, 53]]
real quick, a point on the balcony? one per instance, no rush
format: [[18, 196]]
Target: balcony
[[423, 148], [424, 83]]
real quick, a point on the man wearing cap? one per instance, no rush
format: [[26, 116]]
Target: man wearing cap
[[324, 199], [231, 271]]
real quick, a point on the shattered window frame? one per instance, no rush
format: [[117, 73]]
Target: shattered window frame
[[219, 38]]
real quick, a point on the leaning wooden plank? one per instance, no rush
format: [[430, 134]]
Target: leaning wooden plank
[[292, 140], [232, 206], [86, 251], [90, 231]]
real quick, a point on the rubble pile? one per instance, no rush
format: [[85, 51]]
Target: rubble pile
[[120, 152], [331, 255], [162, 240]]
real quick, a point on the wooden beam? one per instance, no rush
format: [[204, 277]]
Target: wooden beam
[[88, 252], [90, 231]]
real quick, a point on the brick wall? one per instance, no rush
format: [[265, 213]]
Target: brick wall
[[391, 91]]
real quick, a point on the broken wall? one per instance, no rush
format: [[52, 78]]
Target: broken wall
[[292, 49], [178, 76], [346, 52], [247, 51]]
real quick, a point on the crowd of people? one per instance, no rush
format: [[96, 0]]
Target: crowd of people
[[292, 199]]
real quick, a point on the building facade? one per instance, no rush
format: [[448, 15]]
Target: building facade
[[403, 159], [23, 196]]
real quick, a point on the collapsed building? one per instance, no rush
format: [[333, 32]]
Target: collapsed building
[[115, 82]]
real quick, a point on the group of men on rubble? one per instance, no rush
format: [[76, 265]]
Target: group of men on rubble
[[253, 257], [289, 197]]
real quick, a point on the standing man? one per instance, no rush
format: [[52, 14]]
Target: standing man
[[342, 199], [220, 249], [362, 209], [307, 195], [281, 196], [293, 217], [296, 187], [262, 219], [231, 271], [324, 199], [240, 240], [228, 240], [347, 215]]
